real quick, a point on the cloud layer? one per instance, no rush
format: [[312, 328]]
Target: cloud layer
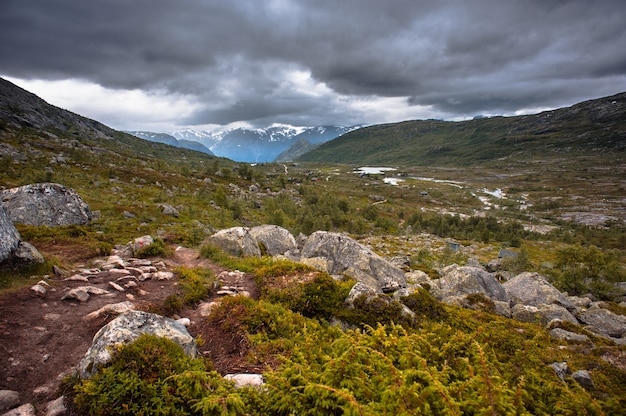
[[202, 62]]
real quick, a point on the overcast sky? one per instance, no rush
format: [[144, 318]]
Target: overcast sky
[[164, 64]]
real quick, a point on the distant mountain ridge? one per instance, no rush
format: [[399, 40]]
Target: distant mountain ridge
[[591, 128], [261, 144], [172, 141]]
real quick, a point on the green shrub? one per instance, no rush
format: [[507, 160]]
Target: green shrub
[[195, 283], [425, 305], [374, 310], [153, 376], [156, 249]]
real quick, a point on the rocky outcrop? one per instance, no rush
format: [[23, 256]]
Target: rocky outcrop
[[13, 251], [9, 236], [533, 289], [343, 255], [49, 204], [236, 241], [465, 280], [274, 240], [127, 328], [603, 321]]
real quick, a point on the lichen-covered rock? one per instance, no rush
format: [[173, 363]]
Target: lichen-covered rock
[[127, 328], [541, 314], [26, 253], [563, 335], [49, 204], [605, 321], [9, 236], [346, 256], [275, 240], [236, 241], [464, 280], [533, 289]]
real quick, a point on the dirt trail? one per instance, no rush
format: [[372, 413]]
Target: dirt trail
[[43, 338]]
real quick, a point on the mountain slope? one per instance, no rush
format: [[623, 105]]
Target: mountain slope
[[262, 144], [171, 140], [592, 127], [27, 122]]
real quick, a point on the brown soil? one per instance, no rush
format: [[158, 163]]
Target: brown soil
[[43, 338]]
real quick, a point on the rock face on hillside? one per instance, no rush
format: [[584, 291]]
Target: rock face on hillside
[[275, 240], [236, 241], [533, 289], [342, 254], [127, 328], [9, 236], [48, 204], [465, 280]]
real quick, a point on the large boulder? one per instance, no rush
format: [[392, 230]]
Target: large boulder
[[236, 241], [604, 321], [342, 254], [541, 314], [9, 236], [127, 328], [465, 280], [275, 240], [49, 204], [533, 289]]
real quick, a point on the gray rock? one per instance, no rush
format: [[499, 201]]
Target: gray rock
[[82, 293], [343, 255], [246, 380], [541, 314], [24, 410], [583, 378], [167, 209], [561, 369], [464, 280], [9, 399], [563, 335], [111, 308], [361, 289], [605, 321], [533, 289], [9, 236], [26, 253], [236, 241], [49, 204], [56, 407], [275, 239], [127, 328]]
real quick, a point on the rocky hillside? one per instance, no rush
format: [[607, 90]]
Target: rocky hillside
[[595, 128]]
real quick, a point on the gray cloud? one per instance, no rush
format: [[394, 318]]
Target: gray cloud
[[461, 58]]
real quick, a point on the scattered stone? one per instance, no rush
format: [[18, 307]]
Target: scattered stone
[[26, 253], [163, 275], [246, 380], [126, 328], [82, 293], [205, 308], [563, 335], [583, 378], [56, 407], [112, 308], [561, 369], [167, 209], [117, 287], [24, 410], [184, 321], [9, 399], [38, 290]]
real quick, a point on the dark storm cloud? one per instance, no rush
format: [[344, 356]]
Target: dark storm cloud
[[459, 57]]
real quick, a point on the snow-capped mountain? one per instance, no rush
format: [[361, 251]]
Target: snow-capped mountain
[[261, 144], [171, 140]]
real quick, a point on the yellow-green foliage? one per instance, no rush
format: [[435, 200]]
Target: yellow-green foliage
[[153, 376], [157, 248], [195, 283]]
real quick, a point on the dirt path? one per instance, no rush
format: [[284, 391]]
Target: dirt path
[[43, 337]]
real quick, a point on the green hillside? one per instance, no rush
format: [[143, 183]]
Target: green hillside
[[592, 127]]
